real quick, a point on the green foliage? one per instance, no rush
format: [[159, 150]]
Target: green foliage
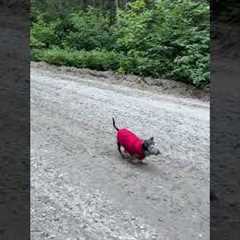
[[99, 60], [171, 39], [89, 30], [79, 30], [42, 34], [168, 38]]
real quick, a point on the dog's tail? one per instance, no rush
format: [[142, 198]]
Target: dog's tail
[[114, 124]]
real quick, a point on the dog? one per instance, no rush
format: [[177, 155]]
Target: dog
[[137, 148]]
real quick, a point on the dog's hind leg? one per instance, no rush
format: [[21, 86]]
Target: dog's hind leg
[[119, 148], [120, 151]]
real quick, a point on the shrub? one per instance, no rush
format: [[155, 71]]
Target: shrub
[[42, 34], [171, 39], [89, 30], [98, 60], [168, 38]]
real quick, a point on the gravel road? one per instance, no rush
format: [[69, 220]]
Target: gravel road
[[80, 186]]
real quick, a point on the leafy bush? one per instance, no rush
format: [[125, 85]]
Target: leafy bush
[[80, 30], [42, 34], [98, 60], [169, 39], [89, 30]]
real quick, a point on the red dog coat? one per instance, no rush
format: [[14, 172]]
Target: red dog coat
[[131, 143]]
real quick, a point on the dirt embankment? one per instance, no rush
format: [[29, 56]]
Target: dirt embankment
[[155, 85]]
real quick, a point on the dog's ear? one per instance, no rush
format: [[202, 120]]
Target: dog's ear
[[151, 140]]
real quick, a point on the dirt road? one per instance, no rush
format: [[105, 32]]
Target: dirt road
[[82, 189]]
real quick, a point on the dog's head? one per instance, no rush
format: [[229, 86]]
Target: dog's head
[[149, 147]]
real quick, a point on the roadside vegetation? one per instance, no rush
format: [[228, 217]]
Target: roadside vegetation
[[162, 39]]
